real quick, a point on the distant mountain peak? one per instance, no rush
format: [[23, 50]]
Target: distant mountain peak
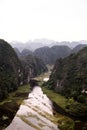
[[38, 43]]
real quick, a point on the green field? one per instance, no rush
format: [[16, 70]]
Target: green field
[[59, 99], [18, 96]]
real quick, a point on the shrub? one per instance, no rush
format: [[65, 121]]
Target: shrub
[[66, 124], [81, 98]]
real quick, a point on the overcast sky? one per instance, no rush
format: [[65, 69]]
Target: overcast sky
[[60, 20]]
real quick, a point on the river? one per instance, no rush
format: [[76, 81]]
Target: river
[[35, 113]]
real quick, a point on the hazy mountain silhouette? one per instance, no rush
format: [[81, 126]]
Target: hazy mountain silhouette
[[38, 43]]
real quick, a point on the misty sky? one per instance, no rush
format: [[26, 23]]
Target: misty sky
[[60, 20]]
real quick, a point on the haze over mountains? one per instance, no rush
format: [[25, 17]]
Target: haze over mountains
[[49, 53], [33, 45]]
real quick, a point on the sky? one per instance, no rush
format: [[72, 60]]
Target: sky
[[60, 20]]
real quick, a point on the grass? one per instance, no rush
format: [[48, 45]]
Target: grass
[[13, 96], [44, 75], [59, 99], [65, 123], [25, 88]]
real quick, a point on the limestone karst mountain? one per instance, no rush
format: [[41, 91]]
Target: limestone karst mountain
[[35, 113], [69, 76], [49, 51], [33, 66], [26, 52], [50, 55], [10, 69]]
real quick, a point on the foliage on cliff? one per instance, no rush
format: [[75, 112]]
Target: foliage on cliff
[[69, 76], [33, 66], [50, 55], [10, 69]]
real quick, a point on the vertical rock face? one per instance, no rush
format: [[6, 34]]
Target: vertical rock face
[[35, 113]]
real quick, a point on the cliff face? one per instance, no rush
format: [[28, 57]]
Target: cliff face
[[10, 69], [69, 76], [33, 66], [34, 113]]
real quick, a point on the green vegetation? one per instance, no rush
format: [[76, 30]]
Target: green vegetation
[[71, 107], [10, 70], [18, 96], [33, 66], [14, 71], [10, 105], [50, 55], [66, 123], [75, 108], [59, 99], [61, 120], [69, 76]]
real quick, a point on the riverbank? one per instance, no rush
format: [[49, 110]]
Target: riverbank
[[10, 105], [59, 103]]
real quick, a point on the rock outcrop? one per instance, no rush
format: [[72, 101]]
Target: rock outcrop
[[35, 113]]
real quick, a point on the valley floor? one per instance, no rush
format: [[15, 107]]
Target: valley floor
[[63, 122]]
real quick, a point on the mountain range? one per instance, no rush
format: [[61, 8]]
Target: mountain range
[[50, 54], [38, 43]]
